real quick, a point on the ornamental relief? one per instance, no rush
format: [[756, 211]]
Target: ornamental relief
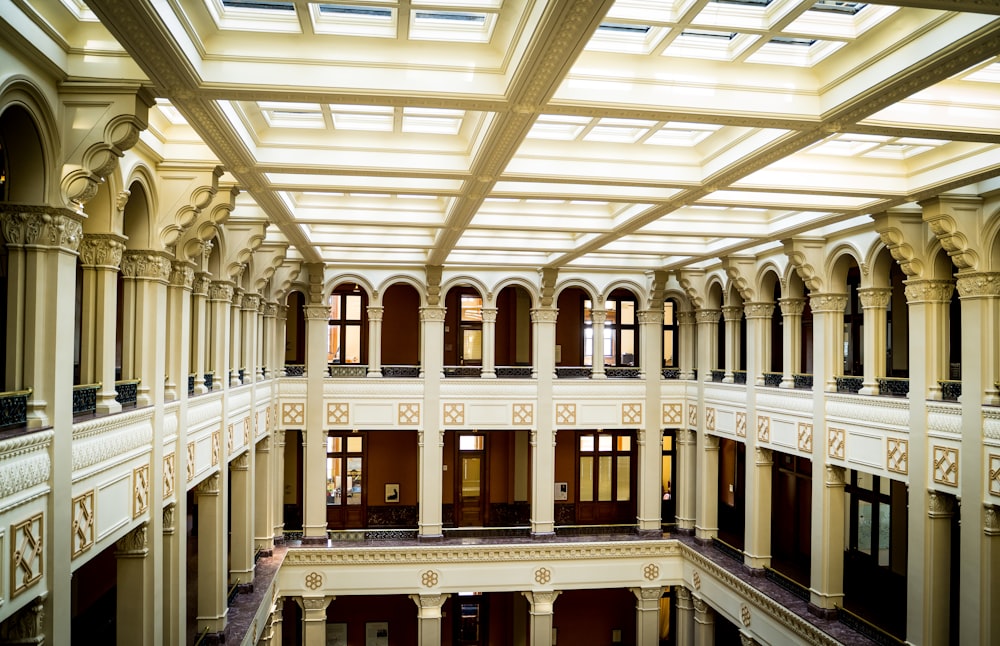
[[632, 414], [897, 458], [565, 414], [672, 414], [979, 284], [42, 226], [805, 437], [26, 562], [140, 265], [338, 413], [523, 414], [168, 476], [763, 428], [946, 465], [454, 414], [101, 250], [836, 438], [994, 475], [408, 414], [140, 490], [82, 533], [741, 424]]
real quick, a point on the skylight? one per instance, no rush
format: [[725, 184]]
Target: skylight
[[837, 6], [624, 28], [464, 26], [372, 118], [354, 20], [268, 5], [255, 15]]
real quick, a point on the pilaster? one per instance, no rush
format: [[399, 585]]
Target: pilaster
[[178, 351], [687, 331], [685, 488], [236, 358], [598, 317], [135, 589], [934, 608], [174, 575], [431, 436], [429, 618], [199, 330], [647, 615], [212, 550], [220, 298], [375, 340], [489, 342], [650, 436], [241, 568], [540, 616], [685, 616], [264, 489], [733, 315], [272, 343], [757, 553], [314, 434], [759, 339], [251, 332], [707, 492], [875, 305], [826, 589], [543, 437], [704, 623]]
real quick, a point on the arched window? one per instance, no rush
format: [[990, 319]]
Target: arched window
[[348, 340], [671, 335], [621, 339]]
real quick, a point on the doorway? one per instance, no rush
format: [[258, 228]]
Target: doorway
[[471, 481], [346, 494]]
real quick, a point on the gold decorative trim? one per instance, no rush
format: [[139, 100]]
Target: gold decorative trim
[[293, 414], [190, 461], [994, 474], [693, 415], [408, 414], [140, 490], [763, 428], [565, 414], [543, 576], [523, 414], [836, 441], [454, 414], [741, 424], [168, 476], [709, 418], [82, 533], [946, 465], [673, 414], [897, 455], [314, 581], [338, 413], [805, 437], [632, 414], [215, 448], [26, 557]]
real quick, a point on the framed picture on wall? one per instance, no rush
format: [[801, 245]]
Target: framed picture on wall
[[336, 634], [377, 633], [392, 492]]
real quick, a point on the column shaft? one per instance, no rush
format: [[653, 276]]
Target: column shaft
[[704, 623], [429, 618], [874, 303], [650, 437], [241, 522], [375, 341], [647, 616], [791, 324], [178, 349], [199, 331], [598, 316], [314, 620], [314, 434], [212, 608], [541, 614], [264, 490], [431, 436], [543, 438], [489, 342], [135, 589]]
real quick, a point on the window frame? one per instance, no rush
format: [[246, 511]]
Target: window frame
[[343, 324]]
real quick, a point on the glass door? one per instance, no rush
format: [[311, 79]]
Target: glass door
[[471, 481], [345, 491]]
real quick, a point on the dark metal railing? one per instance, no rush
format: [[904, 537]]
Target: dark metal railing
[[209, 380], [463, 371], [772, 379], [191, 384], [409, 372], [242, 374], [622, 372], [295, 370], [233, 591], [85, 398], [514, 372], [849, 384], [671, 373], [739, 376], [573, 372], [802, 381], [950, 390], [353, 370], [867, 628], [718, 375], [894, 386], [788, 583], [127, 391], [14, 408]]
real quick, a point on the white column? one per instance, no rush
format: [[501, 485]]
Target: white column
[[686, 485], [101, 256], [135, 589], [704, 623], [687, 331], [250, 305], [272, 342], [174, 576], [598, 315], [685, 617], [314, 434], [828, 336], [220, 297], [212, 608], [199, 330], [706, 525], [759, 341], [277, 621], [178, 349], [933, 612], [429, 618], [826, 589], [281, 323], [241, 522], [236, 358], [874, 304], [650, 436], [431, 435], [733, 315], [708, 350], [757, 527], [146, 274], [277, 490], [791, 324], [541, 614], [314, 620], [647, 615], [489, 342], [375, 340], [264, 489], [543, 438]]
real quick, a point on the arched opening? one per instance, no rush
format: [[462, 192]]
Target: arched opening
[[621, 331], [400, 331], [295, 334], [569, 333], [347, 341], [463, 332], [513, 343]]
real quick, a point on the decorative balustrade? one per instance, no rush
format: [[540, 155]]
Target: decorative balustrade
[[463, 371], [950, 390], [85, 399], [739, 376], [191, 384], [623, 372], [671, 373], [409, 372], [772, 379], [514, 372], [353, 370], [573, 372], [718, 375], [849, 384], [127, 391], [893, 386], [802, 381], [209, 380], [14, 408], [295, 370]]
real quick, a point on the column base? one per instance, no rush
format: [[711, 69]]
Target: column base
[[543, 536], [822, 613], [754, 571], [684, 531], [430, 538], [374, 374], [314, 540], [649, 533]]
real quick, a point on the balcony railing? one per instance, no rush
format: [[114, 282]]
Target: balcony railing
[[772, 379], [802, 381], [14, 408], [295, 370], [950, 390], [622, 372], [191, 384], [342, 371], [409, 372], [514, 372], [242, 372], [671, 373], [718, 375], [463, 371], [739, 376], [849, 384], [573, 372], [893, 386], [85, 399], [127, 391], [209, 380]]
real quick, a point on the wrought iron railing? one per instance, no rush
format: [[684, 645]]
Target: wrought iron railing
[[14, 408], [950, 390], [894, 386], [242, 374], [85, 398], [739, 376], [127, 391], [463, 371], [295, 370], [802, 381], [718, 375], [622, 372], [671, 373], [353, 370], [788, 583], [209, 380], [409, 372], [573, 372], [772, 379], [867, 628], [514, 372], [191, 384], [849, 383]]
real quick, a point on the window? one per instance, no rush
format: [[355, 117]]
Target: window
[[344, 469], [605, 467], [670, 334], [621, 341], [471, 326], [348, 326]]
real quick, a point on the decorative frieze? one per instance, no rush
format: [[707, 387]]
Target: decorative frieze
[[897, 455], [145, 265], [82, 533], [705, 316], [27, 563], [102, 250], [792, 306], [408, 414], [25, 462], [759, 310], [41, 226], [874, 297]]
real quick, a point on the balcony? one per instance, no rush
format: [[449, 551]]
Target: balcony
[[14, 409]]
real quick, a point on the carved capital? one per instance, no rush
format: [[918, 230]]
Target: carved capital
[[133, 544], [544, 315], [433, 313], [874, 297], [700, 607], [979, 285], [647, 594], [708, 316], [650, 317], [270, 310], [219, 290], [208, 487], [429, 600], [41, 226], [181, 274], [835, 303], [541, 602], [792, 306], [991, 520], [26, 625], [316, 312], [240, 462], [759, 310], [146, 265], [599, 316], [489, 315], [939, 504], [169, 513], [928, 291], [251, 302], [315, 604], [686, 318], [201, 283], [102, 250], [375, 312], [835, 476], [732, 312]]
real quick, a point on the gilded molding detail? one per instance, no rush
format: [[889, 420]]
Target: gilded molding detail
[[145, 265], [897, 455], [979, 284], [314, 581], [338, 413], [828, 303], [102, 250], [41, 226], [741, 424], [430, 578], [672, 414], [408, 414], [805, 437], [293, 414], [836, 439], [763, 428], [709, 418], [994, 474], [945, 465], [453, 414], [632, 413], [523, 414], [140, 490], [565, 414], [928, 291]]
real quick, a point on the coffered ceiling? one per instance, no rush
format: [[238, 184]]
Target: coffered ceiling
[[618, 134]]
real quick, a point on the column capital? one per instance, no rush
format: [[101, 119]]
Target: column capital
[[429, 601], [489, 315], [759, 309], [312, 605], [241, 462], [41, 226], [375, 312], [541, 600], [763, 457], [270, 309], [544, 314], [683, 594], [835, 303], [647, 594], [687, 317], [599, 316], [169, 518], [208, 487], [792, 306], [433, 313], [220, 291], [316, 312], [182, 274], [651, 317], [979, 284], [939, 505], [146, 265], [732, 312], [25, 626], [102, 250], [874, 297], [707, 316], [836, 477], [133, 544], [201, 282], [251, 302], [928, 291], [991, 520], [700, 607]]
